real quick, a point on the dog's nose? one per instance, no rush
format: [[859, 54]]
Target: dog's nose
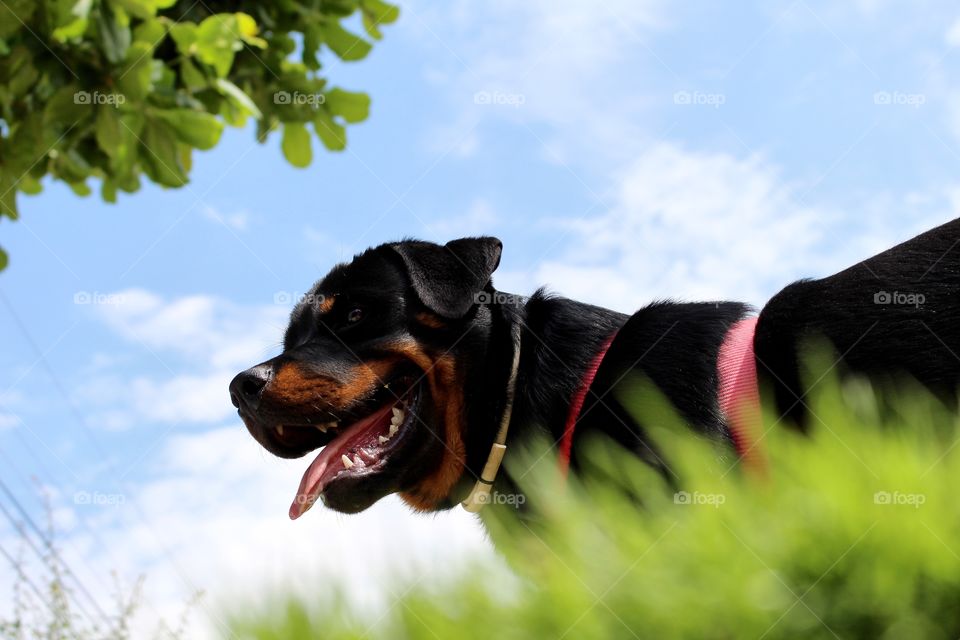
[[248, 386]]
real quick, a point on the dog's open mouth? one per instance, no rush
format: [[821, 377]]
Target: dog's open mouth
[[360, 449]]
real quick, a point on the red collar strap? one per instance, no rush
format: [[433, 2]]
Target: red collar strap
[[738, 395], [737, 392], [576, 404]]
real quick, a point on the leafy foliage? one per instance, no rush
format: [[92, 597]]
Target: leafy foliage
[[116, 89], [852, 533]]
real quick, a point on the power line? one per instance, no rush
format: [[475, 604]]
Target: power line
[[25, 578], [53, 376], [43, 559], [94, 534], [50, 549]]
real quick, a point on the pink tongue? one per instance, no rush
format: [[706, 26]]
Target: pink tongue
[[316, 476]]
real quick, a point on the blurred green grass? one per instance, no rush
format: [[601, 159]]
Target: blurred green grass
[[853, 533]]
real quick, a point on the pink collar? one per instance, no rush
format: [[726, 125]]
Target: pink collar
[[576, 404], [737, 391]]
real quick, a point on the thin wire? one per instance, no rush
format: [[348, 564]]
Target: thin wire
[[50, 549]]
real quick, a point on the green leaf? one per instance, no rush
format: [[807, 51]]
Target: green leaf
[[381, 12], [81, 189], [191, 76], [73, 19], [66, 107], [4, 259], [136, 79], [332, 135], [237, 96], [184, 34], [376, 13], [151, 32], [108, 191], [121, 140], [22, 74], [346, 45], [109, 131], [296, 144], [8, 199], [186, 157], [371, 27], [349, 105], [218, 40], [14, 14], [160, 155], [30, 185], [71, 167], [248, 30], [311, 47], [114, 29], [142, 9], [196, 128]]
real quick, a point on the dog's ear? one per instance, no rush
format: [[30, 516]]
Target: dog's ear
[[447, 278]]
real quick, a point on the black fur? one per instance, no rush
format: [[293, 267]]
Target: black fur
[[878, 338]]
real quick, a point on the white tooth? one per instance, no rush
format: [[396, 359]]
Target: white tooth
[[280, 429], [383, 439], [397, 416], [327, 425], [393, 429], [357, 460], [347, 463]]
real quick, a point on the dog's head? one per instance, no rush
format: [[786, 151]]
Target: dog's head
[[373, 370]]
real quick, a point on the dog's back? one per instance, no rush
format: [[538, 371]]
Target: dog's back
[[895, 313]]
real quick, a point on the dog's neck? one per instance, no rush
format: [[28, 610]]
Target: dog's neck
[[560, 338]]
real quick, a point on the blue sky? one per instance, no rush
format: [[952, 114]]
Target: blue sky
[[624, 150]]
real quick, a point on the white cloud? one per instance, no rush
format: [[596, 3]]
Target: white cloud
[[214, 517], [203, 328], [707, 226], [201, 341], [688, 225], [537, 62], [953, 34], [237, 220], [480, 218]]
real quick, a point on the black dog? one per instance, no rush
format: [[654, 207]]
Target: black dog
[[413, 372]]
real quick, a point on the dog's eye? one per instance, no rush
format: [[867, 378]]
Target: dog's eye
[[354, 315]]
